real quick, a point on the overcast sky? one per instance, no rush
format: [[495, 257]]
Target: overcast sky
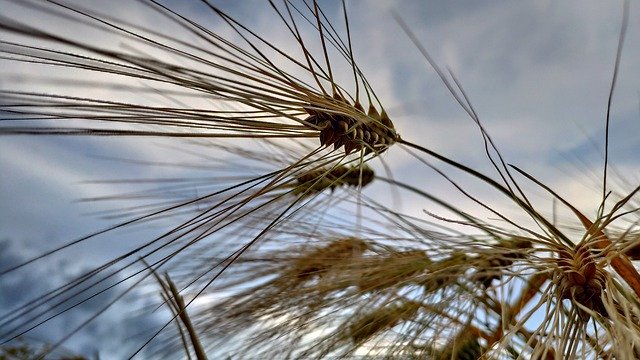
[[537, 72]]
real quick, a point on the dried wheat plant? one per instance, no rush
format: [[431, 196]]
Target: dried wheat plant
[[283, 252]]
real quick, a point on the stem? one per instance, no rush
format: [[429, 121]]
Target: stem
[[620, 263], [522, 204], [182, 312]]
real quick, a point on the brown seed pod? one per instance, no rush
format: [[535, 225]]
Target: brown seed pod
[[581, 280], [381, 319], [318, 180], [394, 269], [503, 256], [373, 132], [318, 261]]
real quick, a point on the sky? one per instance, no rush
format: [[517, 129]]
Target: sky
[[537, 72]]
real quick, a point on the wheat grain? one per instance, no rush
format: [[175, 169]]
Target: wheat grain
[[290, 278]]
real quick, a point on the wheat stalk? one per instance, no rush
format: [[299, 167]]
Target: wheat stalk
[[274, 255]]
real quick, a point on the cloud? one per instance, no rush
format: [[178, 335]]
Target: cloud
[[538, 73]]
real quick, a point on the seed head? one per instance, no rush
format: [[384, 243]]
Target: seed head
[[353, 129], [316, 181], [582, 280]]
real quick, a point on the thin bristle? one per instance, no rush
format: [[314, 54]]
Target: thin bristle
[[252, 162]]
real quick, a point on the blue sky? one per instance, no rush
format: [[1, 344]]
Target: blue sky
[[537, 72]]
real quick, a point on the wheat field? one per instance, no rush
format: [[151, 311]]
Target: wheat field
[[332, 179]]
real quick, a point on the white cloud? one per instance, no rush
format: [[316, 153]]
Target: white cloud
[[537, 72]]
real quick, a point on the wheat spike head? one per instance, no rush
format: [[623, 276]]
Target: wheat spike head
[[403, 290], [243, 71]]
